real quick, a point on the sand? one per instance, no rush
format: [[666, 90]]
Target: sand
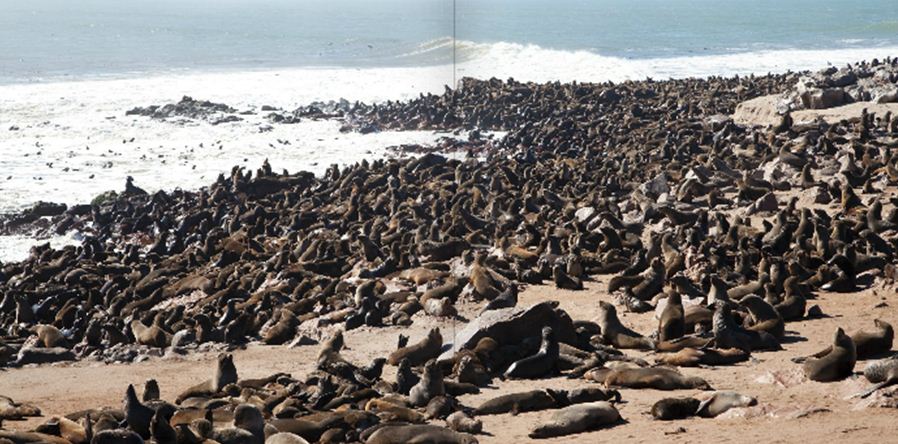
[[796, 410]]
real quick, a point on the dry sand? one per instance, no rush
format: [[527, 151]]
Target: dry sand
[[796, 411]]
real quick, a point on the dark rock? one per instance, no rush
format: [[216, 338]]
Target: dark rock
[[511, 325]]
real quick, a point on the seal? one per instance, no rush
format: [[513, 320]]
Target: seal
[[836, 365], [868, 343], [720, 402], [540, 364], [225, 373], [48, 336], [420, 352], [669, 409], [658, 378], [672, 322], [461, 422], [285, 438], [520, 402], [728, 334], [614, 333], [137, 415], [881, 373], [430, 385], [577, 418], [694, 357], [765, 317], [418, 434]]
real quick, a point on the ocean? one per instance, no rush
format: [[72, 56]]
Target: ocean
[[70, 69]]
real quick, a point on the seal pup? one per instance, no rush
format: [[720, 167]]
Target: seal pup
[[577, 418], [669, 409], [461, 422], [614, 333], [881, 373], [48, 336], [507, 299], [540, 364], [836, 365], [720, 402]]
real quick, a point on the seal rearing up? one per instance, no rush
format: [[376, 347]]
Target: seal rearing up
[[540, 364]]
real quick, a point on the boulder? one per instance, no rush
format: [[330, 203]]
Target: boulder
[[511, 325]]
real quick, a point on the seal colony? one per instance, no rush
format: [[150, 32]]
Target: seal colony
[[726, 232]]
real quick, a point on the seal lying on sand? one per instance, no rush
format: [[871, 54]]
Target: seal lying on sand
[[577, 418], [658, 378], [418, 434]]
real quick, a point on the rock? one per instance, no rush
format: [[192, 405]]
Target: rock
[[824, 98], [187, 107], [43, 209], [767, 202], [511, 325], [656, 187], [585, 214], [887, 96], [843, 78]]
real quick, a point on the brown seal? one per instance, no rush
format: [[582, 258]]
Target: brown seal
[[614, 333], [694, 357], [430, 385], [577, 418], [672, 322], [533, 400], [418, 433], [420, 352], [225, 373], [838, 364], [658, 378]]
